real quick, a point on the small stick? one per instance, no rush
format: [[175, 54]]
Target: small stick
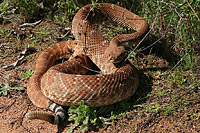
[[30, 24], [193, 10]]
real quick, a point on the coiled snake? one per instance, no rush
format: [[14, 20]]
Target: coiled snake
[[68, 84]]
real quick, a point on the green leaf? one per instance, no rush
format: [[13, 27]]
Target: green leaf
[[5, 92], [18, 88], [84, 127], [86, 120], [4, 5]]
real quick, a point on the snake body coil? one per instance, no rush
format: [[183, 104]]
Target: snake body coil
[[67, 83]]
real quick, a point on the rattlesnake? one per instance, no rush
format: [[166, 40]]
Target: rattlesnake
[[67, 83]]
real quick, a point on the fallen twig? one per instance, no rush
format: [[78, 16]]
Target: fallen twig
[[20, 58], [30, 24], [193, 10], [63, 36]]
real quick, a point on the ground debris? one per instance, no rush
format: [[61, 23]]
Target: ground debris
[[22, 55]]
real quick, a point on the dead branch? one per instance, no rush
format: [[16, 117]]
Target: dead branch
[[30, 24], [22, 55]]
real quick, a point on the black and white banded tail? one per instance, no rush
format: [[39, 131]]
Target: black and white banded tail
[[53, 119]]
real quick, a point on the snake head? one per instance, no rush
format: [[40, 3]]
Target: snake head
[[115, 54]]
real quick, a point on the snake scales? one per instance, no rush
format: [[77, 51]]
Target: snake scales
[[68, 84]]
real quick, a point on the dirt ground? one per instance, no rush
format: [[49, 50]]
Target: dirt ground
[[14, 108], [12, 111]]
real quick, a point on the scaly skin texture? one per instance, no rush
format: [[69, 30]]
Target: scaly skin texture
[[66, 84]]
